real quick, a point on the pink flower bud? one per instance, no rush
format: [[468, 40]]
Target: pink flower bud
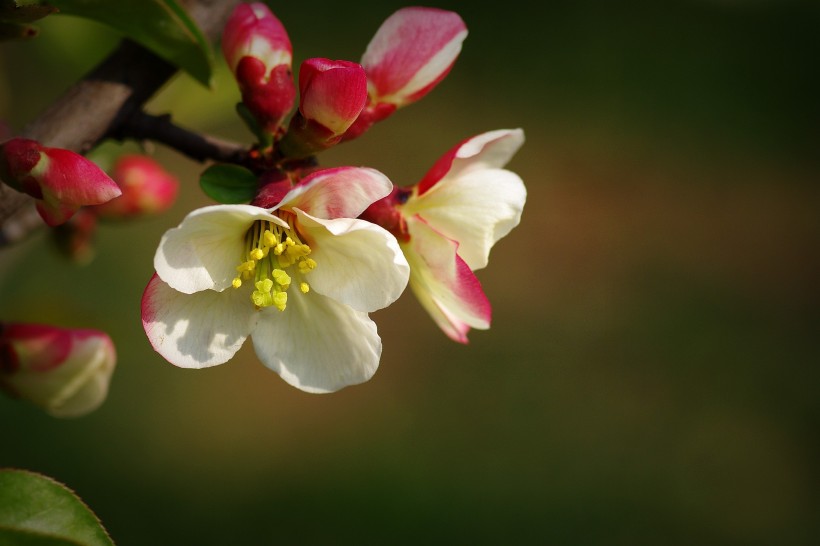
[[61, 181], [147, 188], [259, 53], [65, 371], [332, 95], [411, 53]]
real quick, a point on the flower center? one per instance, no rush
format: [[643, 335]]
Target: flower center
[[270, 250]]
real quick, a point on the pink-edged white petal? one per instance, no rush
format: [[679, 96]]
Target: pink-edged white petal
[[196, 330], [411, 52], [341, 192], [444, 283], [358, 263], [317, 344], [203, 251], [475, 209], [490, 150]]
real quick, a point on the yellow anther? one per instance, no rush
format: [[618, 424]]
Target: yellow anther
[[257, 254], [280, 300], [281, 278], [246, 266], [268, 238], [308, 264], [289, 242], [278, 249], [304, 287], [237, 282]]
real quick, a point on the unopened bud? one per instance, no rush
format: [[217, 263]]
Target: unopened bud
[[60, 180], [413, 50], [259, 53], [147, 188], [64, 371], [332, 95]]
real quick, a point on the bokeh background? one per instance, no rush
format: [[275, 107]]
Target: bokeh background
[[651, 375]]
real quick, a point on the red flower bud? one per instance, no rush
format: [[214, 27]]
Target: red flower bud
[[61, 181], [332, 95], [413, 50], [65, 371], [258, 51], [147, 188]]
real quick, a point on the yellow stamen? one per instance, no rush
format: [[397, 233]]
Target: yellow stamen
[[270, 250]]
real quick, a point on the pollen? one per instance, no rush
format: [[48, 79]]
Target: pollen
[[269, 254]]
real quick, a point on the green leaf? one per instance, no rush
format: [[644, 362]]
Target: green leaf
[[229, 183], [38, 511], [159, 25]]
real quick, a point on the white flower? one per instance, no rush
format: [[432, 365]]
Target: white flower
[[299, 278], [448, 223]]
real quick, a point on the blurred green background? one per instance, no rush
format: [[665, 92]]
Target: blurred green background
[[652, 369]]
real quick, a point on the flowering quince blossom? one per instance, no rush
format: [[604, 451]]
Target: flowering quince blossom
[[448, 223], [413, 50], [60, 180], [65, 371], [259, 53], [299, 278]]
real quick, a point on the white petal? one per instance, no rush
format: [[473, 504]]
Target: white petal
[[342, 192], [444, 284], [475, 209], [358, 263], [196, 330], [490, 150], [203, 252], [317, 344]]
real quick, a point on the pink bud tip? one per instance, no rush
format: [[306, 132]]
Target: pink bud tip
[[258, 51], [147, 188], [61, 181], [65, 371], [411, 53], [332, 93]]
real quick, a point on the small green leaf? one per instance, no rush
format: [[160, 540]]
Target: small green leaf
[[38, 511], [159, 25], [229, 183]]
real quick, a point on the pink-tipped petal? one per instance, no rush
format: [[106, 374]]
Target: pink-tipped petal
[[491, 150], [411, 52], [196, 330], [340, 192], [444, 283]]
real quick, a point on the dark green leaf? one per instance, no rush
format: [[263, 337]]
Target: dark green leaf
[[38, 511], [229, 183], [159, 25]]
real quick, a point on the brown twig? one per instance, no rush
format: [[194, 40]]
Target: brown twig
[[143, 126]]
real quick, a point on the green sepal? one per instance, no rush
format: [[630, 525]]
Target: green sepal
[[229, 184]]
